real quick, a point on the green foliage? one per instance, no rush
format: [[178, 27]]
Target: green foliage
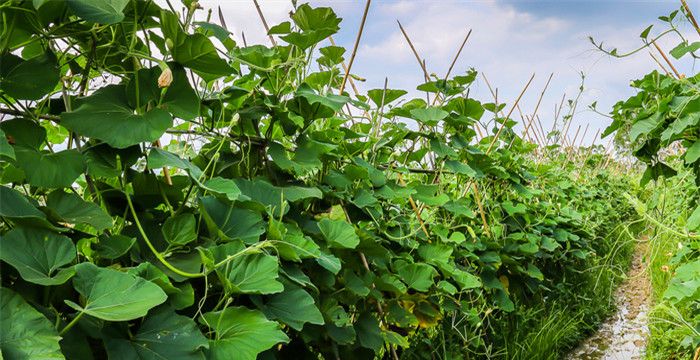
[[211, 203]]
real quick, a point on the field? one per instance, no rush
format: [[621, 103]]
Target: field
[[169, 191]]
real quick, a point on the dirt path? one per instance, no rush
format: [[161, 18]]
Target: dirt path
[[623, 335]]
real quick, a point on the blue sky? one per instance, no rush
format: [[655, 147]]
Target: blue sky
[[511, 39]]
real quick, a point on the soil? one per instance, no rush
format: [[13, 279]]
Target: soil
[[623, 335]]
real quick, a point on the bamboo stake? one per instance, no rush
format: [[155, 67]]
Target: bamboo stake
[[697, 28], [345, 68], [583, 137], [354, 49], [659, 63], [454, 61], [415, 52], [498, 133], [477, 197], [221, 19], [663, 55], [415, 208], [264, 22]]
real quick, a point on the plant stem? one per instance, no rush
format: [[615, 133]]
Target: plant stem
[[70, 324]]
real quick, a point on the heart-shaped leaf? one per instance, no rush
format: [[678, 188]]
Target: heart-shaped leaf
[[114, 295], [39, 255], [241, 333], [107, 116], [26, 333], [163, 335]]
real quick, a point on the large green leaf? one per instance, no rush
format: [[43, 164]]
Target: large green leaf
[[28, 79], [72, 209], [113, 246], [179, 98], [339, 233], [163, 335], [24, 133], [294, 307], [39, 255], [693, 153], [685, 284], [241, 333], [385, 96], [50, 170], [368, 332], [5, 147], [429, 116], [107, 116], [693, 222], [99, 11], [180, 230], [14, 205], [25, 333], [417, 276], [231, 222], [247, 272], [316, 24], [114, 295], [194, 51]]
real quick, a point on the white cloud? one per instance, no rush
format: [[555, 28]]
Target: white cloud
[[507, 44]]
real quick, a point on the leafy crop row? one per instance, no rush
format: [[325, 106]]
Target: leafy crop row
[[169, 193], [661, 125]]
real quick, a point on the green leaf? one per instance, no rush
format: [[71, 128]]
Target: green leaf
[[339, 233], [381, 97], [14, 205], [465, 280], [28, 79], [645, 32], [645, 126], [294, 307], [114, 295], [39, 255], [26, 333], [429, 116], [247, 273], [316, 24], [113, 246], [24, 133], [693, 153], [685, 284], [290, 241], [99, 11], [241, 333], [230, 222], [163, 335], [693, 222], [72, 209], [417, 276], [179, 98], [50, 170], [194, 51], [107, 116], [180, 295], [5, 147], [368, 332], [158, 158], [460, 168], [226, 187], [180, 230], [684, 48]]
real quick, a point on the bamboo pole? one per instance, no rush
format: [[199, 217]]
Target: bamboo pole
[[354, 48], [264, 22]]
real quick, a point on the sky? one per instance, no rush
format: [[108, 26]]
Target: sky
[[510, 41]]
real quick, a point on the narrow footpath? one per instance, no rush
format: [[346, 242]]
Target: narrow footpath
[[623, 335]]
